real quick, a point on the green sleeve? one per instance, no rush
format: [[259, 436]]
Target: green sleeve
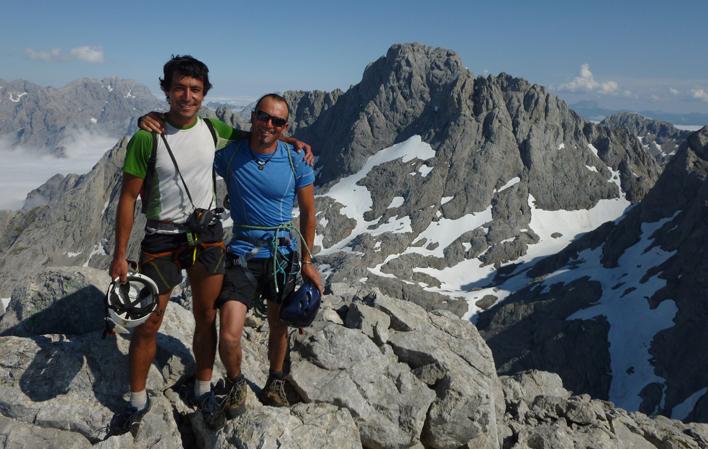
[[138, 154], [225, 134]]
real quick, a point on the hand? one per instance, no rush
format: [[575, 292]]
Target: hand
[[119, 269], [309, 272], [309, 156], [152, 122]]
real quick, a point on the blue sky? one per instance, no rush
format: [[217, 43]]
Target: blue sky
[[620, 54]]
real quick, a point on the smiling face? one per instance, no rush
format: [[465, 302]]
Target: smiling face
[[265, 133], [185, 96]]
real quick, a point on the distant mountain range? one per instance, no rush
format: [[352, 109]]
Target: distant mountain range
[[440, 187], [44, 119], [592, 111]]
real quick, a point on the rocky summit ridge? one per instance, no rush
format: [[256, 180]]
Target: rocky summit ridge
[[46, 119], [371, 372], [658, 137], [632, 294]]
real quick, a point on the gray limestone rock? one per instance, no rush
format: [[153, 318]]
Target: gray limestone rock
[[371, 321], [59, 382], [658, 137], [344, 367], [529, 330], [21, 435], [58, 301], [36, 117], [314, 426]]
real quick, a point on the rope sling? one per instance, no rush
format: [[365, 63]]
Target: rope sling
[[280, 262]]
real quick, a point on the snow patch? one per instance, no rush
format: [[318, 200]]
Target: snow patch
[[633, 322], [446, 199], [689, 127], [510, 183], [445, 231], [424, 170], [561, 146], [5, 302], [682, 410], [99, 250], [395, 225], [397, 201], [105, 206], [93, 120], [591, 168], [15, 98], [72, 254], [357, 199], [594, 151]]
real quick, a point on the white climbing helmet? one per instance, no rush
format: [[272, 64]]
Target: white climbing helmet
[[129, 305]]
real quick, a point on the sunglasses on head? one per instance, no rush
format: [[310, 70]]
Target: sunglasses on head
[[264, 117]]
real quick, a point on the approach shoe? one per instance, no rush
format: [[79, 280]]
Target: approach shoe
[[211, 409], [233, 394], [273, 393], [128, 421]]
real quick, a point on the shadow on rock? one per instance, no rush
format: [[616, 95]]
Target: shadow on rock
[[78, 313]]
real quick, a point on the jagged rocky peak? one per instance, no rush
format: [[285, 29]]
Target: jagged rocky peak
[[408, 88], [632, 294], [47, 119], [659, 138]]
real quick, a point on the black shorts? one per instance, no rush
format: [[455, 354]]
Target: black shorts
[[164, 256], [239, 286]]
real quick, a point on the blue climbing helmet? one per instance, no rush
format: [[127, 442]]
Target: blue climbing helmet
[[300, 307]]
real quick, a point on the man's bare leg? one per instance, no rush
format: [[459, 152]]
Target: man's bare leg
[[143, 345], [232, 319], [277, 338], [205, 290]]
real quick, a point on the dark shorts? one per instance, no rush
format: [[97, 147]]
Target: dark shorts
[[164, 256], [239, 286]]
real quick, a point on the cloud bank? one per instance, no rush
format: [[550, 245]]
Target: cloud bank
[[700, 94], [25, 169], [585, 81], [86, 53]]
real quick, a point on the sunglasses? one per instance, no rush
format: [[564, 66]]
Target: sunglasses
[[264, 117]]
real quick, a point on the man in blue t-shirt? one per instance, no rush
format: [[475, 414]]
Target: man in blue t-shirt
[[264, 177]]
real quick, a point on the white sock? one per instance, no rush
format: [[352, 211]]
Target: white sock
[[138, 399], [201, 387]]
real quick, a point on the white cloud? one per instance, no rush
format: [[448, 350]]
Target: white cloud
[[700, 94], [674, 91], [608, 87], [587, 82], [88, 54], [85, 53], [24, 169]]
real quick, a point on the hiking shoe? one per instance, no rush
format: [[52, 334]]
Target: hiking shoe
[[273, 393], [234, 396], [128, 420], [211, 409]]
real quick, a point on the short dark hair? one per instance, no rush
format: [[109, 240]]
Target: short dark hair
[[275, 97], [186, 66]]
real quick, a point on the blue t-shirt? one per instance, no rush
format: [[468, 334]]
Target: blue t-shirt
[[261, 197]]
